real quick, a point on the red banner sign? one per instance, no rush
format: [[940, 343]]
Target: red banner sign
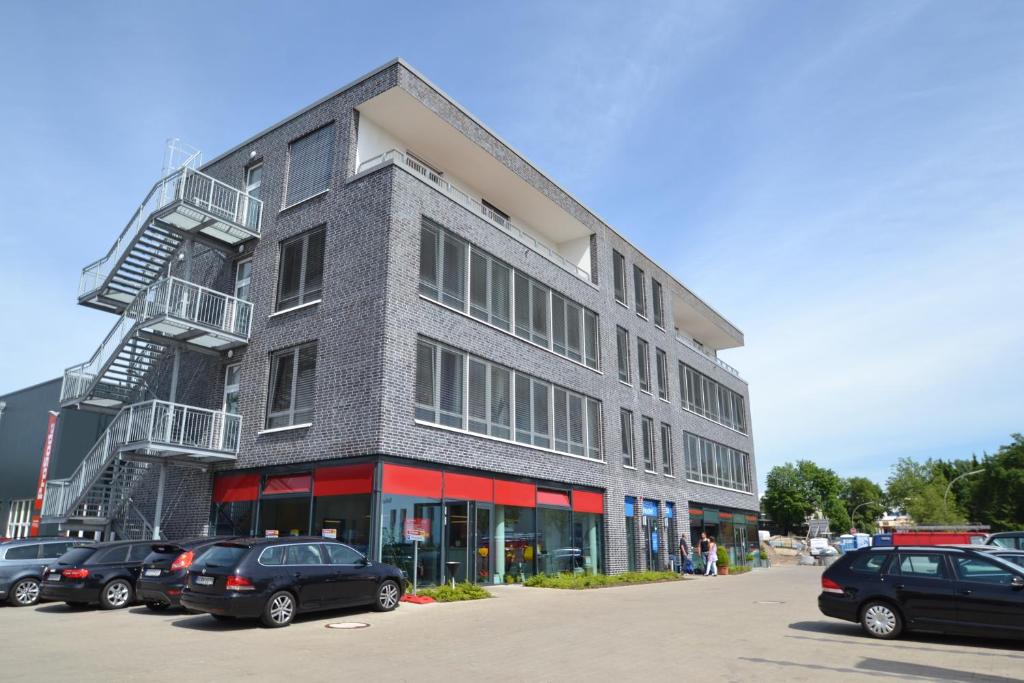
[[44, 471]]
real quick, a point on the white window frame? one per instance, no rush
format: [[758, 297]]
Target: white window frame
[[237, 386], [243, 281], [19, 518]]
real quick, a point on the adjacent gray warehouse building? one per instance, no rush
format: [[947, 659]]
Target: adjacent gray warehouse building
[[24, 424], [378, 322]]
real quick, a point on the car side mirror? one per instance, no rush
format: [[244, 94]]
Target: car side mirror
[[1017, 582], [366, 563]]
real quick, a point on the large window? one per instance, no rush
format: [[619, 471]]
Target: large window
[[658, 304], [639, 291], [626, 433], [709, 462], [661, 369], [243, 279], [647, 432], [292, 385], [702, 395], [310, 159], [232, 387], [301, 275], [643, 365], [666, 450], [503, 297], [532, 310], [619, 272], [19, 518], [622, 352], [458, 390]]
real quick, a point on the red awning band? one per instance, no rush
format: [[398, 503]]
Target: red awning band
[[588, 501], [549, 497], [345, 480], [411, 481], [467, 487], [288, 483], [236, 488]]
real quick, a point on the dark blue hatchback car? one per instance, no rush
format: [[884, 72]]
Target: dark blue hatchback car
[[927, 588], [274, 579]]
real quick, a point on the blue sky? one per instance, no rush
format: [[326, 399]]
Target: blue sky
[[845, 181]]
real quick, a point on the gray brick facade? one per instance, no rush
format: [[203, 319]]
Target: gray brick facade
[[372, 314]]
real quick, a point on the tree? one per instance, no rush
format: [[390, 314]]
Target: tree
[[919, 488], [784, 499], [793, 492], [997, 494], [864, 496]]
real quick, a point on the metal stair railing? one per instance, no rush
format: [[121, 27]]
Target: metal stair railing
[[150, 426], [131, 524], [187, 185], [173, 297]]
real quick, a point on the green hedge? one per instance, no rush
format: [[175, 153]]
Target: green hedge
[[462, 591], [740, 569], [578, 581]]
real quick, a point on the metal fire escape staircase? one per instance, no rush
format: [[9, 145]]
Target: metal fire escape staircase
[[184, 203], [157, 313]]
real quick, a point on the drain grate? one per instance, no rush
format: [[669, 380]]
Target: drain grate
[[348, 625]]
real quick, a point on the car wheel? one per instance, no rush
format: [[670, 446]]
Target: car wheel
[[25, 593], [223, 617], [116, 594], [881, 620], [280, 610], [157, 606], [387, 596]]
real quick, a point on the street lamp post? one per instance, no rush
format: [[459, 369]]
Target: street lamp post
[[869, 502], [945, 496]]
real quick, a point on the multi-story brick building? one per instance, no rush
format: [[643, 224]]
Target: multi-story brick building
[[375, 319]]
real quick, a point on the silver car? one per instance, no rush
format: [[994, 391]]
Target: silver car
[[21, 566]]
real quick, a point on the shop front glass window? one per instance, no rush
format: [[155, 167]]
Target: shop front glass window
[[345, 518], [421, 513], [588, 538], [556, 553], [514, 529]]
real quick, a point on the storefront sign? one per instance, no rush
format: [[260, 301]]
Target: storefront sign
[[417, 529], [271, 533], [330, 533], [44, 471]]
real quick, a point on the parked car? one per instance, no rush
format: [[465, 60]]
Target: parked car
[[165, 571], [1015, 556], [928, 588], [274, 579], [22, 563], [1013, 540], [103, 573]]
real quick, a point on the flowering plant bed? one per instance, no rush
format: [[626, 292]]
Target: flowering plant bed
[[581, 581]]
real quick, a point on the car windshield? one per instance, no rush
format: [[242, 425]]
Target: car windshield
[[77, 555], [220, 556]]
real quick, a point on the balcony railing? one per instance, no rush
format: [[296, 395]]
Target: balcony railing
[[473, 205], [191, 304], [191, 187], [156, 428], [714, 359]]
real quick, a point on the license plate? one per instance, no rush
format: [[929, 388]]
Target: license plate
[[152, 572], [204, 580], [53, 577]]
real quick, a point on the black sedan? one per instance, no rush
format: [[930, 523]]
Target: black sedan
[[274, 579], [165, 571], [927, 588], [103, 573]]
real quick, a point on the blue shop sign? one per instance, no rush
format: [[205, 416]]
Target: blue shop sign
[[650, 508]]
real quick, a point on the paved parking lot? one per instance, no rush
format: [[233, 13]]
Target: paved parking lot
[[763, 626]]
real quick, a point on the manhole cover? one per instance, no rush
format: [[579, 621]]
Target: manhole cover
[[769, 602], [348, 624]]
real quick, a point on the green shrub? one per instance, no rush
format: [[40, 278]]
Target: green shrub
[[580, 581], [750, 557], [723, 557], [462, 591], [742, 569]]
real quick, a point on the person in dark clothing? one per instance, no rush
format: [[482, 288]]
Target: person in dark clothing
[[705, 548], [685, 565]]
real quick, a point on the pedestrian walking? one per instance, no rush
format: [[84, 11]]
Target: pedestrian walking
[[704, 546], [711, 568]]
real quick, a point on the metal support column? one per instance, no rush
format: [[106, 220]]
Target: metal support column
[[159, 501]]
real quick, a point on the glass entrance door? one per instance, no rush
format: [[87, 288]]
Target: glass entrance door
[[739, 535], [459, 545], [653, 537]]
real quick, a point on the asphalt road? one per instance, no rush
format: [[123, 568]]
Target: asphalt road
[[760, 626]]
